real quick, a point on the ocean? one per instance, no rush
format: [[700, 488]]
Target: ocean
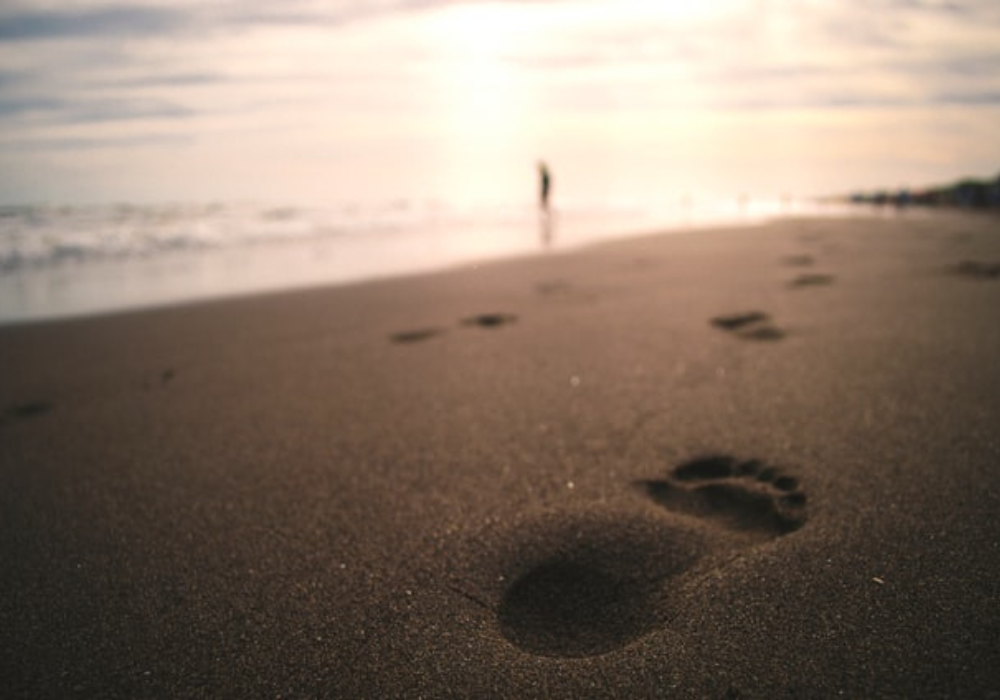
[[67, 261]]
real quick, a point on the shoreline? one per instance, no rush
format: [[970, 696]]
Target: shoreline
[[713, 465], [82, 281]]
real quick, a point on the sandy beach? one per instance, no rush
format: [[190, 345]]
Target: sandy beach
[[748, 463]]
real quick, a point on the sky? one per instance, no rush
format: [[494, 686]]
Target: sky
[[304, 101]]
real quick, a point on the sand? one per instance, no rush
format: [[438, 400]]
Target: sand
[[748, 463]]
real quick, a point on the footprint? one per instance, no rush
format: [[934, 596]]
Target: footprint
[[491, 320], [799, 260], [25, 411], [748, 497], [416, 335], [977, 270], [565, 291], [811, 281], [575, 608], [735, 322], [553, 288], [591, 585], [162, 379], [751, 325]]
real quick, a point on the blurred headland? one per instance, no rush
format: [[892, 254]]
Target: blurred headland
[[966, 193]]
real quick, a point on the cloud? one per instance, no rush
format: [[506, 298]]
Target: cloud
[[57, 110], [160, 80], [145, 21], [144, 140], [966, 98], [131, 21], [11, 79], [746, 41]]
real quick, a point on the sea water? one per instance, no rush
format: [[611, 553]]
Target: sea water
[[62, 261]]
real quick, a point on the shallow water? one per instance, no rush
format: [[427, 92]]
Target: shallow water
[[68, 261]]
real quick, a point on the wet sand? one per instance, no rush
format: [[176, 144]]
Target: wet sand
[[745, 463]]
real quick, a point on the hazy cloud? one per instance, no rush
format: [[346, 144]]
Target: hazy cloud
[[103, 21], [162, 80], [143, 140], [97, 22], [55, 110]]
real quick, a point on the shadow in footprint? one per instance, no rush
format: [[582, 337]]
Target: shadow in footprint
[[751, 325], [574, 608], [748, 497], [415, 336], [977, 270], [591, 584], [811, 281], [491, 320]]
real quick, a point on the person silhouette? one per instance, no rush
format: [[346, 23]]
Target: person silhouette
[[545, 183], [545, 190]]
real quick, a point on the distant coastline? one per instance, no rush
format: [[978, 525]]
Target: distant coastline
[[966, 193]]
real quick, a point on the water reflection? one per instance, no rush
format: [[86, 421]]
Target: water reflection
[[547, 227]]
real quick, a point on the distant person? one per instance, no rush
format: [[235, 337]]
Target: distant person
[[545, 183], [545, 191]]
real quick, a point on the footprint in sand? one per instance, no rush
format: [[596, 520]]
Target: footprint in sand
[[977, 270], [161, 379], [748, 497], [588, 585], [418, 335], [25, 411], [553, 288], [815, 280], [605, 583], [750, 325], [490, 320], [799, 260], [415, 336], [812, 237]]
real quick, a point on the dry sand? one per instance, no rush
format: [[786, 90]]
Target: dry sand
[[752, 463]]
